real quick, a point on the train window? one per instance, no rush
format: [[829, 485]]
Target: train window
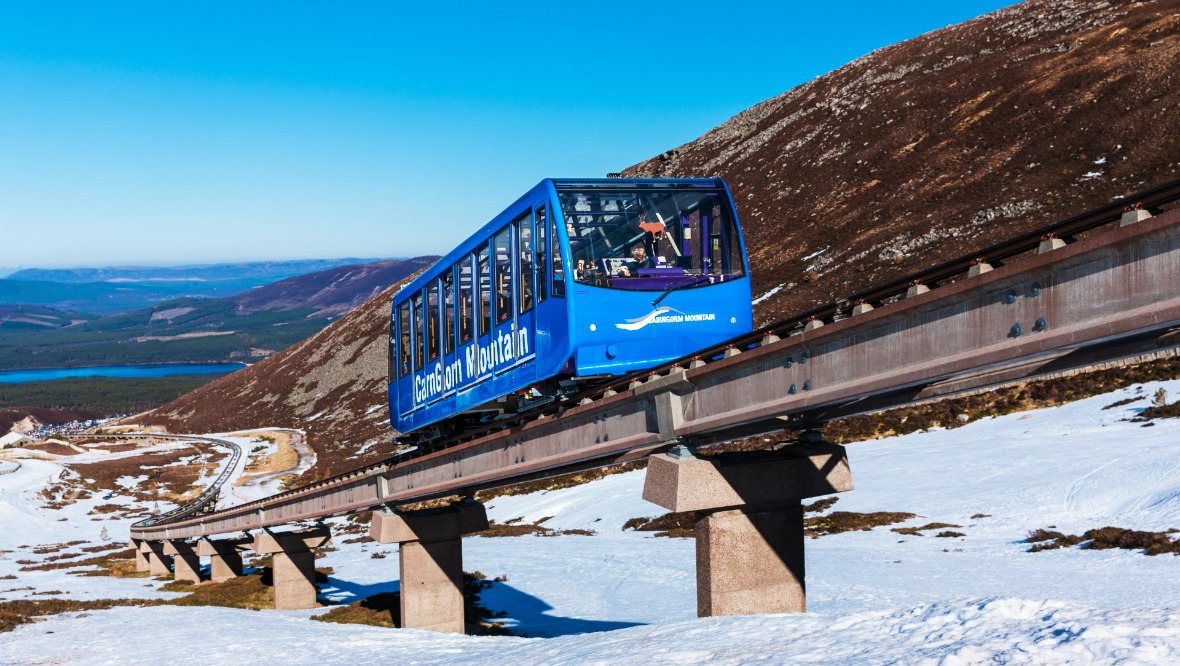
[[419, 339], [485, 293], [502, 246], [466, 300], [524, 252], [555, 252], [448, 296], [433, 330], [542, 254], [403, 332], [651, 239]]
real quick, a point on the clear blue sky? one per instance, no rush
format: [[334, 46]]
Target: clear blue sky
[[195, 132]]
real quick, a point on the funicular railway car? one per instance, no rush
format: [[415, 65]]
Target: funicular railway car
[[575, 282]]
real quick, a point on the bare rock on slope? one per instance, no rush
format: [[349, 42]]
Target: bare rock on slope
[[26, 425]]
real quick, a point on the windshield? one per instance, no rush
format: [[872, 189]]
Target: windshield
[[643, 239]]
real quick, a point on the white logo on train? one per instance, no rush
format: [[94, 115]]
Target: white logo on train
[[477, 360], [660, 316]]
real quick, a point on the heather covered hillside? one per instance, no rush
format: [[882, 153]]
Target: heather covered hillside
[[924, 150]]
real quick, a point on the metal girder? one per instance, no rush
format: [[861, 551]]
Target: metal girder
[[1016, 321], [1089, 301]]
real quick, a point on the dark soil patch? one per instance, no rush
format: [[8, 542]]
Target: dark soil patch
[[24, 611], [1120, 403], [379, 610], [849, 521], [55, 547], [119, 564], [949, 534], [104, 547], [536, 529], [820, 505], [917, 531], [252, 591], [1171, 411], [681, 524], [1151, 543]]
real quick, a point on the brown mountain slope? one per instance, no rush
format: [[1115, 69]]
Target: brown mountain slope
[[913, 154], [333, 291], [922, 151], [332, 385]]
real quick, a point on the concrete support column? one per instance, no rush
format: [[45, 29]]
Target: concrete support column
[[186, 563], [750, 561], [225, 557], [141, 560], [159, 564], [431, 556], [749, 527], [294, 564]]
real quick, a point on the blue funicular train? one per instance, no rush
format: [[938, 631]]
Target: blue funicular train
[[576, 282]]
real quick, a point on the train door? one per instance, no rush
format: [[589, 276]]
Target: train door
[[524, 335], [449, 297], [502, 350], [404, 377], [467, 324], [483, 342], [431, 389], [543, 314]]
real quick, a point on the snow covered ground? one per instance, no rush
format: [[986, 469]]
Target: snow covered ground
[[625, 597]]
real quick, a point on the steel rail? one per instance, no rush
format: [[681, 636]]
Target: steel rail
[[540, 445]]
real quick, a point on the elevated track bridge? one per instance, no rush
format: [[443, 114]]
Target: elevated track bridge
[[1100, 286]]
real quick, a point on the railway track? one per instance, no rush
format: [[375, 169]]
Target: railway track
[[941, 274]]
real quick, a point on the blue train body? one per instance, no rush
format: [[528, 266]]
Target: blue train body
[[575, 281]]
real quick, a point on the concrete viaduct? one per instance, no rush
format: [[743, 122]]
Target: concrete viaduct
[[1014, 311]]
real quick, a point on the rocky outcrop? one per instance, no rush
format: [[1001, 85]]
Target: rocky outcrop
[[26, 425]]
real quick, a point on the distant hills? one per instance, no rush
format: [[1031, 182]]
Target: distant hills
[[246, 327], [330, 292], [124, 288]]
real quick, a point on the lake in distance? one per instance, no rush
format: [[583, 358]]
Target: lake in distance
[[161, 370]]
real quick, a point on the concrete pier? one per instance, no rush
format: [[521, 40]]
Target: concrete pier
[[225, 557], [749, 525], [159, 563], [294, 564], [186, 563], [141, 560], [431, 555]]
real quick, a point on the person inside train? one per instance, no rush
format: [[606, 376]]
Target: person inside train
[[639, 254]]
